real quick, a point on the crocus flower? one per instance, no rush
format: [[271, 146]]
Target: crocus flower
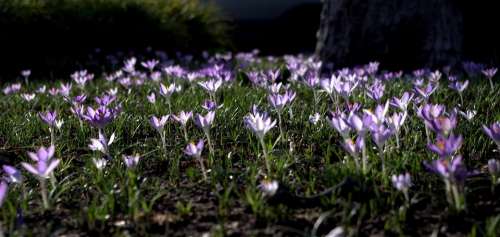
[[150, 64], [469, 114], [427, 91], [167, 91], [494, 167], [204, 122], [328, 85], [490, 73], [105, 100], [354, 148], [430, 111], [49, 118], [345, 89], [99, 163], [183, 117], [44, 162], [259, 123], [65, 89], [3, 191], [446, 146], [28, 97], [159, 123], [442, 124], [211, 86], [131, 161], [379, 116], [401, 182], [194, 150], [25, 73], [459, 86], [13, 174], [152, 98], [493, 132], [210, 105], [278, 101], [101, 116], [314, 119], [380, 134], [376, 91], [102, 143], [453, 171], [268, 187], [339, 123]]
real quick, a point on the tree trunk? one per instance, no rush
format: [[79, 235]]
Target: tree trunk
[[398, 33]]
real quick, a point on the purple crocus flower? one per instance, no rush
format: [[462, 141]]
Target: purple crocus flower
[[13, 174], [194, 150], [28, 97], [453, 171], [210, 105], [401, 182], [102, 143], [338, 121], [312, 81], [79, 99], [150, 64], [65, 89], [25, 73], [44, 162], [379, 116], [494, 167], [346, 88], [105, 100], [152, 98], [490, 72], [315, 118], [376, 91], [380, 134], [328, 85], [459, 86], [354, 148], [131, 161], [183, 117], [167, 91], [493, 132], [427, 91], [101, 116], [204, 122], [49, 118], [442, 124], [259, 123], [159, 123], [430, 111], [446, 146], [211, 86], [3, 191], [278, 101]]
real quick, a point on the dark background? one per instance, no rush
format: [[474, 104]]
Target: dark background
[[59, 39]]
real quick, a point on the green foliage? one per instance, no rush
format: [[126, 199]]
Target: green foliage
[[53, 35]]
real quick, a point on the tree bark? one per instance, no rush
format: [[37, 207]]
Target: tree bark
[[398, 33]]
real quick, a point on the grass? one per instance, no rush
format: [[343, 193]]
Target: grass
[[161, 198]]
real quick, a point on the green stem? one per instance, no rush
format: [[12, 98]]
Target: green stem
[[185, 133], [45, 199], [203, 170], [266, 158]]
